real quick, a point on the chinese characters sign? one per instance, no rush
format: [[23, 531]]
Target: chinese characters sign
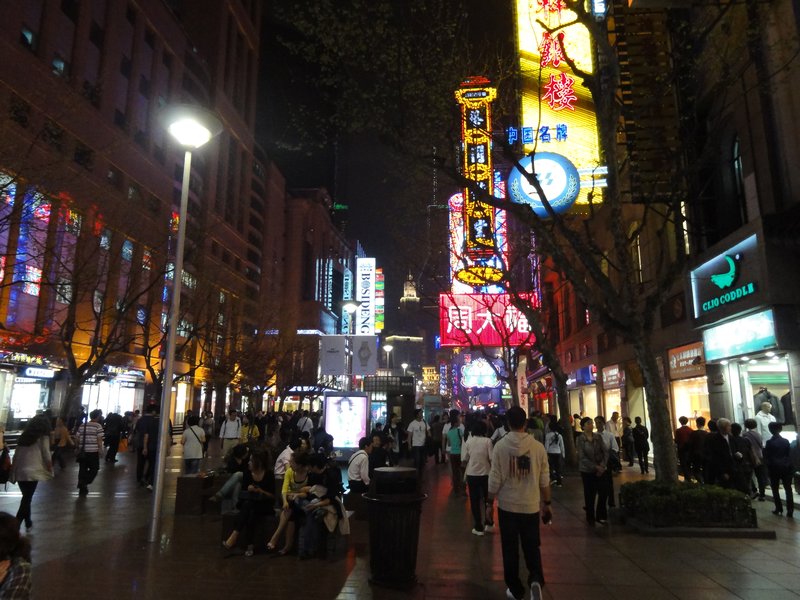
[[475, 97], [551, 42], [485, 320]]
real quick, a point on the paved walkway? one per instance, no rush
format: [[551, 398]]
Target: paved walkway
[[97, 546]]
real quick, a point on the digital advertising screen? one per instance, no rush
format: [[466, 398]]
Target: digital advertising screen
[[346, 418]]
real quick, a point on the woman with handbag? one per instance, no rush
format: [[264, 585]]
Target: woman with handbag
[[192, 441], [32, 464], [593, 464]]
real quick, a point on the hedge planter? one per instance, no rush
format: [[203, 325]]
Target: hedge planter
[[686, 505]]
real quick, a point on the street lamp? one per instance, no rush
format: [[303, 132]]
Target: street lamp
[[191, 126], [405, 366], [387, 348], [350, 307]]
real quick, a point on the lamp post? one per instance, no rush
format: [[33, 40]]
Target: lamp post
[[350, 306], [191, 127], [405, 366], [388, 349]]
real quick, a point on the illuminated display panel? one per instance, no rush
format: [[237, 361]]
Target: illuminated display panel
[[540, 62], [468, 320], [346, 418]]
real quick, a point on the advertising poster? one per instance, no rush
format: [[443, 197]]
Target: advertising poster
[[346, 418]]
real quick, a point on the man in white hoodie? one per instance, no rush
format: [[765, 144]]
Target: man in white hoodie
[[520, 480]]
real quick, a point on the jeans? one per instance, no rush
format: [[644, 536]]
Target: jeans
[[555, 467], [58, 456], [595, 489], [455, 472], [24, 512], [762, 477], [144, 466], [516, 528], [418, 454], [775, 480], [88, 469], [478, 486], [230, 491], [191, 466], [309, 533]]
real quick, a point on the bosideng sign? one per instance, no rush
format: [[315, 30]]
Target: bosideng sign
[[365, 289], [727, 278]]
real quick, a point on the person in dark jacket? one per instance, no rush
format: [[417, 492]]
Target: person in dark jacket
[[697, 450], [641, 445], [743, 460], [721, 451], [15, 560], [114, 430], [779, 466], [379, 457]]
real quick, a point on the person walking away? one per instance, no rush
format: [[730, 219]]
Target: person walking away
[[697, 450], [192, 441], [437, 425], [89, 443], [229, 432], [62, 441], [641, 445], [455, 439], [519, 479], [112, 435], [742, 461], [208, 429], [476, 455], [554, 444], [147, 432], [593, 465], [32, 464], [779, 465], [418, 433], [15, 561]]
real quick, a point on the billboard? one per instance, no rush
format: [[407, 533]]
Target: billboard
[[484, 320], [332, 355], [380, 319], [346, 418], [365, 293], [558, 113], [365, 355]]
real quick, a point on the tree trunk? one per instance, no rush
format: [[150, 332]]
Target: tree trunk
[[72, 399], [562, 399], [664, 459]]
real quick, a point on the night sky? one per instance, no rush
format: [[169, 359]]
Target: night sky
[[384, 208]]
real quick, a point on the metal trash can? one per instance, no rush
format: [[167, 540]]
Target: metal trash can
[[394, 505]]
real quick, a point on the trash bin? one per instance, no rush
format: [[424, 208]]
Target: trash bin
[[394, 505]]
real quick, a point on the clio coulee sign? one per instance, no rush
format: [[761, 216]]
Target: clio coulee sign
[[484, 320]]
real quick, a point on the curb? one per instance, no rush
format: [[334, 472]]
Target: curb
[[704, 532]]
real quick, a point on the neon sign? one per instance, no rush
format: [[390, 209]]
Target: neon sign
[[484, 320], [548, 34], [475, 97]]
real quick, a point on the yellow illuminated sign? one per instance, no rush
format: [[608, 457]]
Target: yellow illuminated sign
[[553, 96]]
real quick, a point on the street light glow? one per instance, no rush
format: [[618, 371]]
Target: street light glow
[[189, 133], [388, 348], [351, 306]]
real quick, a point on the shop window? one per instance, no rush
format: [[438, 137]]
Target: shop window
[[28, 38], [127, 250], [64, 291], [84, 156], [32, 282], [59, 66], [105, 239]]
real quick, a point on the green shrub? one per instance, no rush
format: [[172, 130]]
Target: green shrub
[[686, 505]]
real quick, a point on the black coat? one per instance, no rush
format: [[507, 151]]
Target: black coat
[[720, 454]]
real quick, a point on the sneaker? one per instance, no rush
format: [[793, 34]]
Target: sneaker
[[488, 528], [602, 521], [510, 596], [477, 532], [149, 486], [536, 591]]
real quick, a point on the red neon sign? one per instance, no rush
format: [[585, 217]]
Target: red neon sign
[[471, 320]]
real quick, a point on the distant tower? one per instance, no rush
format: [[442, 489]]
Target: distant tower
[[410, 300]]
